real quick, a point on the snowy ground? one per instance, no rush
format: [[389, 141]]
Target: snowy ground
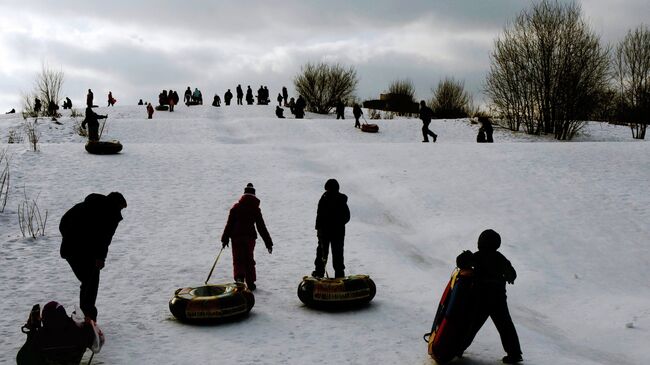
[[573, 218]]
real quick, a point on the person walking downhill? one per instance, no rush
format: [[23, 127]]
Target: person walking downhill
[[426, 114], [243, 218], [87, 230], [331, 217], [492, 271]]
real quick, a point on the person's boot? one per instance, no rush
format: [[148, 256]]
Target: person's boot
[[317, 274], [251, 286], [435, 137], [512, 359], [339, 274]]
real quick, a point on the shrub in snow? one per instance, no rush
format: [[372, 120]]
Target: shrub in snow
[[322, 85], [30, 219], [450, 100]]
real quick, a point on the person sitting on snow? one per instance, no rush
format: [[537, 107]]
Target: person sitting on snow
[[244, 216], [491, 272], [331, 217], [279, 112]]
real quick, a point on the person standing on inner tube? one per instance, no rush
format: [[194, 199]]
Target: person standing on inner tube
[[87, 230], [244, 216], [332, 215]]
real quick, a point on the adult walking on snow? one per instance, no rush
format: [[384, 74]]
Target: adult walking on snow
[[149, 111], [87, 230], [279, 99], [340, 110], [111, 99], [89, 98], [243, 218], [92, 119], [426, 114], [285, 95], [249, 95], [332, 215], [240, 95], [187, 97], [227, 97], [357, 112], [492, 271]]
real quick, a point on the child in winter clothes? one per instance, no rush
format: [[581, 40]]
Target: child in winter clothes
[[149, 110], [244, 216], [491, 272], [331, 217]]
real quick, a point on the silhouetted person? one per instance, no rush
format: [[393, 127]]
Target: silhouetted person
[[140, 102], [197, 97], [188, 96], [249, 95], [92, 119], [227, 97], [279, 99], [426, 114], [244, 216], [216, 101], [260, 96], [170, 100], [357, 112], [67, 104], [267, 96], [279, 112], [486, 126], [331, 217], [491, 272], [292, 106], [340, 110], [111, 100], [149, 110], [87, 230], [52, 107], [89, 98], [163, 99], [240, 95], [12, 111], [285, 95], [480, 136], [37, 105], [299, 108]]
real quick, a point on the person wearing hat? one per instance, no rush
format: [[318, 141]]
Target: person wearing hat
[[332, 215], [491, 272], [87, 230], [243, 218]]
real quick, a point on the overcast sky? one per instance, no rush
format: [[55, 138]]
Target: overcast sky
[[137, 48]]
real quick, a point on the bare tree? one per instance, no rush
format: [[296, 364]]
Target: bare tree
[[632, 74], [403, 87], [450, 100], [322, 85], [48, 86], [31, 129], [548, 71]]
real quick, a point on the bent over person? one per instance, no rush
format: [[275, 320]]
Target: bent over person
[[332, 215], [243, 218], [87, 230]]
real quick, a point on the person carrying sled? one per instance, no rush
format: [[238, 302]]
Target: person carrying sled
[[92, 119], [89, 98], [426, 114], [243, 218], [240, 95], [492, 271], [331, 217], [111, 100], [87, 230], [357, 112]]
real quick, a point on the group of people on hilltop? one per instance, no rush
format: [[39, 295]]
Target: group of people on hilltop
[[169, 98]]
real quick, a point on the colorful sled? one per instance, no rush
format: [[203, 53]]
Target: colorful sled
[[333, 294], [369, 128], [453, 318], [104, 147], [212, 303]]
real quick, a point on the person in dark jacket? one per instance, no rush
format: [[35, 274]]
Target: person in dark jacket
[[227, 97], [90, 98], [249, 96], [149, 110], [244, 216], [92, 119], [299, 108], [426, 114], [486, 126], [285, 95], [170, 100], [491, 272], [332, 215], [340, 110], [357, 112], [87, 230], [37, 105], [111, 99], [240, 95], [216, 101], [279, 99], [187, 96], [279, 112]]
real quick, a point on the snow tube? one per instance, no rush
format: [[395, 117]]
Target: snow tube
[[189, 103], [103, 148], [370, 128], [453, 318], [162, 107], [341, 293], [212, 303]]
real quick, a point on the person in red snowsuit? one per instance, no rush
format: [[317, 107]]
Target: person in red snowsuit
[[244, 216]]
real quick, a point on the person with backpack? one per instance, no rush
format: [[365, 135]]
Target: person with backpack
[[87, 230], [331, 217], [492, 271], [244, 217], [92, 119], [240, 95], [357, 112], [426, 114]]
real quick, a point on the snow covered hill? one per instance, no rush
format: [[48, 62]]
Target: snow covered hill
[[573, 218]]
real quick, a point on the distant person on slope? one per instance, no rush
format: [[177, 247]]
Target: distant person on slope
[[426, 114], [331, 217], [240, 95], [285, 95], [279, 99], [340, 110], [188, 96], [299, 108], [149, 111], [486, 126], [92, 119], [357, 112], [227, 97], [216, 101], [249, 96], [491, 272], [89, 98], [244, 216], [87, 230], [111, 99], [37, 105]]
